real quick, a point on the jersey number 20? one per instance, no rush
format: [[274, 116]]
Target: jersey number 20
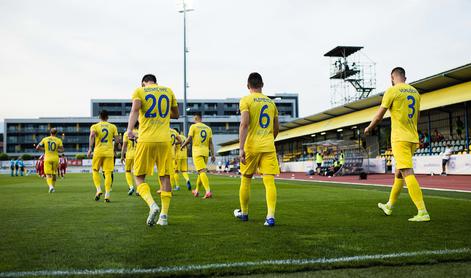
[[150, 112]]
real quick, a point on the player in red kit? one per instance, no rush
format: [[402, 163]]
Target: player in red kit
[[62, 165]]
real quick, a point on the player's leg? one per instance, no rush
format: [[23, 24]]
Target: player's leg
[[268, 166], [174, 174], [48, 170], [108, 168], [247, 170], [184, 171], [165, 169], [198, 179], [96, 165], [394, 194], [129, 179], [144, 161], [202, 169]]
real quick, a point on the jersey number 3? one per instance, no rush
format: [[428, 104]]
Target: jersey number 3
[[411, 106]]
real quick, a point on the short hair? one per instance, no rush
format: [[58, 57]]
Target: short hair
[[399, 70], [53, 131], [255, 80], [149, 78], [104, 115], [198, 113]]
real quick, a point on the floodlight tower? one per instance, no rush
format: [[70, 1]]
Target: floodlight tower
[[183, 7], [352, 74]]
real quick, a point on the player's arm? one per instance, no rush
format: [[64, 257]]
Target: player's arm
[[124, 149], [174, 113], [276, 127], [40, 146], [243, 131], [60, 148], [376, 120], [136, 106], [211, 147], [91, 142], [187, 141], [178, 140]]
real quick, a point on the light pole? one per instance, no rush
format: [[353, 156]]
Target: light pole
[[184, 9]]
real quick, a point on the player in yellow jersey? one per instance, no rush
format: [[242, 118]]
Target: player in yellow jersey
[[403, 102], [201, 137], [102, 145], [181, 163], [127, 157], [176, 141], [51, 146], [155, 105], [258, 129]]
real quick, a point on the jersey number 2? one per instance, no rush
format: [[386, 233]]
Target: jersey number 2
[[105, 138]]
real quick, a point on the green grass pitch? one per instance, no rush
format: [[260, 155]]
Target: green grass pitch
[[68, 230]]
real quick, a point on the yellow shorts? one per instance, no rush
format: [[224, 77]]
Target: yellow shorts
[[150, 154], [128, 164], [266, 163], [403, 152], [200, 162], [50, 167], [105, 162], [182, 165]]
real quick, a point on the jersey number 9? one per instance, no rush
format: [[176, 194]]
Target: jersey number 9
[[262, 116], [203, 135], [150, 112]]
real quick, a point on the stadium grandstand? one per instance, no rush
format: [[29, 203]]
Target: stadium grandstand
[[444, 121]]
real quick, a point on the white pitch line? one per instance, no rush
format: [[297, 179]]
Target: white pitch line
[[187, 268], [371, 184]]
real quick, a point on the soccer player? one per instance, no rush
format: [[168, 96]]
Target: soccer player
[[175, 141], [155, 105], [21, 165], [127, 156], [102, 145], [62, 165], [201, 137], [403, 102], [258, 129], [12, 167], [182, 163], [17, 166], [51, 146]]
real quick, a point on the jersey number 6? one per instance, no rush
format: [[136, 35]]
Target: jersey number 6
[[262, 116]]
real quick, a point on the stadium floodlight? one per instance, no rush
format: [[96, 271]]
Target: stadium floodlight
[[322, 133], [313, 135], [340, 130], [353, 127], [184, 6]]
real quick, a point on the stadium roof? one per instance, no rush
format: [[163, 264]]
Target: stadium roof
[[329, 119]]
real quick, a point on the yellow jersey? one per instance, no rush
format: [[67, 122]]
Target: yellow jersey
[[173, 141], [51, 145], [154, 115], [262, 111], [131, 144], [104, 135], [182, 154], [403, 102], [201, 135]]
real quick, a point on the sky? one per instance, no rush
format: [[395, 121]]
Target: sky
[[57, 55]]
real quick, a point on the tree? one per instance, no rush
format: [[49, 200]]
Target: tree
[[4, 156]]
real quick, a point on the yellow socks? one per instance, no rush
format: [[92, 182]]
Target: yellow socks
[[244, 194], [395, 191], [175, 177], [144, 191], [129, 179], [415, 192], [108, 181], [172, 182], [50, 183], [198, 182], [165, 197], [205, 181], [270, 188], [185, 175], [97, 180]]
